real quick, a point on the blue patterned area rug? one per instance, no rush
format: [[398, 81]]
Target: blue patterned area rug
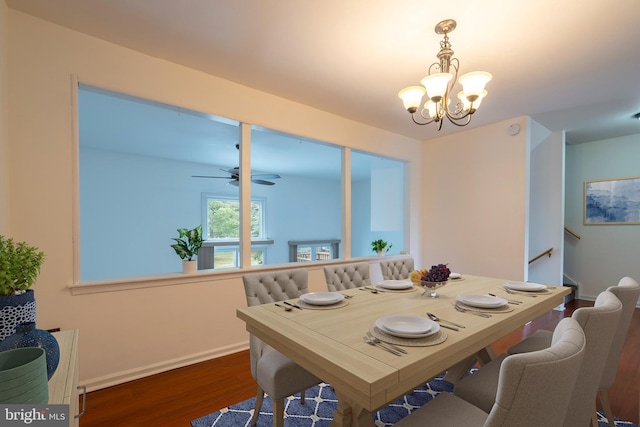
[[321, 402]]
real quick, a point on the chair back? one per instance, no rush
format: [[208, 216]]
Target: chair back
[[347, 276], [397, 269], [268, 287], [539, 383], [599, 323], [273, 286], [627, 291]]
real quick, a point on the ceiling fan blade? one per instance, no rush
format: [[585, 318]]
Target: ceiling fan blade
[[232, 171], [234, 182], [204, 176], [262, 182], [266, 175]]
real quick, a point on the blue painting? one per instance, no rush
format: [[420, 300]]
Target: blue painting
[[612, 201]]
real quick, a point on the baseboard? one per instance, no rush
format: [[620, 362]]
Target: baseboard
[[98, 383]]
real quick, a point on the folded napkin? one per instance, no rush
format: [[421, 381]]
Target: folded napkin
[[437, 338], [502, 309], [322, 307]]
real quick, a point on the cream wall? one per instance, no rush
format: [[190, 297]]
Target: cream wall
[[4, 132], [476, 200], [166, 322], [546, 206], [467, 199]]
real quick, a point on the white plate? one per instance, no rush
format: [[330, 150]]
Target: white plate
[[395, 284], [406, 324], [455, 276], [482, 301], [322, 298], [433, 330], [524, 286]]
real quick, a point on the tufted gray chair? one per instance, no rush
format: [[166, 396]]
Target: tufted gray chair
[[599, 324], [527, 388], [397, 269], [347, 276], [276, 374]]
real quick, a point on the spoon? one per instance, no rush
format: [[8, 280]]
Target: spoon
[[287, 308], [437, 319]]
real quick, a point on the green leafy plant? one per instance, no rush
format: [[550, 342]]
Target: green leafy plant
[[188, 243], [380, 245], [19, 266]]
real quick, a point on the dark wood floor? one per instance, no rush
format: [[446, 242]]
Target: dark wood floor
[[176, 397]]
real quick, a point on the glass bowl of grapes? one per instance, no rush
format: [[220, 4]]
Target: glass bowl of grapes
[[432, 279]]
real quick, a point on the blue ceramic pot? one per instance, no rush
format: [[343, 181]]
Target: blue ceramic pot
[[28, 336], [15, 309]]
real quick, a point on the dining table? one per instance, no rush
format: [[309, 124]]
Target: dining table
[[330, 341]]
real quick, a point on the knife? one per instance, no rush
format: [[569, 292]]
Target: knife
[[292, 305], [449, 327]]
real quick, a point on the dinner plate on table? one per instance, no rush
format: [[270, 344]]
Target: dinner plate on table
[[525, 286], [395, 284], [481, 301], [407, 326], [322, 298]]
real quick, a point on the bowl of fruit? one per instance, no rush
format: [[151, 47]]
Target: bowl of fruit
[[436, 277]]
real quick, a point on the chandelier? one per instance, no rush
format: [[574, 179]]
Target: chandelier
[[438, 85]]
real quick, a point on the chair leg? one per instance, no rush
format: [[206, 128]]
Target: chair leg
[[257, 406], [302, 393], [278, 413], [606, 407], [594, 416]]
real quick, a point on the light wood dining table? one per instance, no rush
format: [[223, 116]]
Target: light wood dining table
[[329, 342]]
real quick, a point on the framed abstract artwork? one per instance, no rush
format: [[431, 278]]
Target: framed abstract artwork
[[612, 201]]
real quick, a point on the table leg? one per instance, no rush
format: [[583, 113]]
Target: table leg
[[456, 372], [486, 355], [350, 414]]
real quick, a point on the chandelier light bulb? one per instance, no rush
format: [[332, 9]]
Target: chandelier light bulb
[[432, 108], [466, 104], [436, 85], [473, 84], [412, 97]]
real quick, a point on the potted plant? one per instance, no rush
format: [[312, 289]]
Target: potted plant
[[187, 246], [19, 268], [380, 247]]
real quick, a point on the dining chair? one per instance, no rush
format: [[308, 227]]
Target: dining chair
[[347, 276], [527, 389], [276, 375], [599, 324], [397, 269], [628, 292]]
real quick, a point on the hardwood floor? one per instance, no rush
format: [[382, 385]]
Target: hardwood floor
[[176, 397]]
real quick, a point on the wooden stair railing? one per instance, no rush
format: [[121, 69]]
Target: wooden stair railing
[[547, 252], [576, 235]]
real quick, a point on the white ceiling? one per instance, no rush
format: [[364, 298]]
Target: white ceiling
[[570, 64]]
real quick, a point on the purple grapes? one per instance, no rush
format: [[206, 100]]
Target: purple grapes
[[437, 273]]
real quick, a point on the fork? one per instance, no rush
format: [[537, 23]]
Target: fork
[[464, 310], [373, 343], [379, 341]]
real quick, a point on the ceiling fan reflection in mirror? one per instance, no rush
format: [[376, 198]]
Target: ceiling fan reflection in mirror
[[234, 179]]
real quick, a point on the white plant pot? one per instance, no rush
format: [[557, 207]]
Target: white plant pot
[[189, 267]]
